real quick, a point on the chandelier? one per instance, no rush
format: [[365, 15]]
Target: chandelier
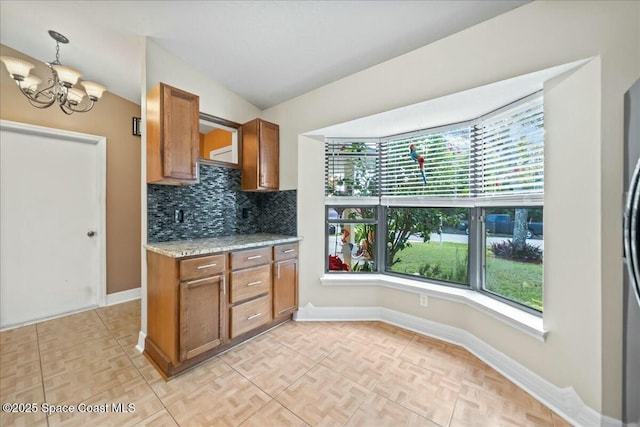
[[60, 86]]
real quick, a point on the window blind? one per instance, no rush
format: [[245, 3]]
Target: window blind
[[443, 155], [508, 151], [499, 155], [351, 168]]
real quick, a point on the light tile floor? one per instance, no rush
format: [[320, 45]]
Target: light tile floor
[[317, 374]]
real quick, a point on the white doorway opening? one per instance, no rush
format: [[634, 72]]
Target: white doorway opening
[[52, 223]]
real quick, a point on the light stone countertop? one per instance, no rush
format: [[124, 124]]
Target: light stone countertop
[[210, 245]]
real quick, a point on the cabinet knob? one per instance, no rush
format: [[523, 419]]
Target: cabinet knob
[[91, 233]]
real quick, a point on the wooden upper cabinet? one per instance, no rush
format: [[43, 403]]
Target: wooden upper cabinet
[[173, 138], [260, 156]]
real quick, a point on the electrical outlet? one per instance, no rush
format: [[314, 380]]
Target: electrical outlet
[[178, 215], [424, 300]]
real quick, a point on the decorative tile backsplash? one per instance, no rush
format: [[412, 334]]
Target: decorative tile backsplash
[[214, 208]]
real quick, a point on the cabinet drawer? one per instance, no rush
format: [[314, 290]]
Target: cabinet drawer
[[250, 315], [251, 282], [195, 268], [250, 258], [287, 251]]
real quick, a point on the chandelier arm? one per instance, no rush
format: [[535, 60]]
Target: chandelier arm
[[34, 97], [78, 109], [66, 109]]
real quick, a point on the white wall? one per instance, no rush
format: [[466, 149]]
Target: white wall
[[215, 99], [583, 302]]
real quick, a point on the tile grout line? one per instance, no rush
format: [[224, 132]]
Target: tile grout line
[[44, 392], [164, 407], [396, 358]]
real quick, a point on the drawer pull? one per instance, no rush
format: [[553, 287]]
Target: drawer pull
[[224, 285], [288, 251], [253, 316], [254, 283], [255, 257], [191, 282], [205, 266]]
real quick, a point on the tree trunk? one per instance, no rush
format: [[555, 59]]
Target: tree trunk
[[520, 228]]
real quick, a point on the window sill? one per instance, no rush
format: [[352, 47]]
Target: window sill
[[521, 320]]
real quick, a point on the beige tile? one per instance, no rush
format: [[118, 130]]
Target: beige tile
[[94, 356], [23, 419], [71, 332], [380, 412], [228, 399], [446, 359], [323, 398], [315, 340], [475, 407], [20, 378], [159, 419], [91, 357], [19, 361], [147, 370], [24, 339], [428, 393], [268, 364], [481, 376], [121, 319], [182, 385], [274, 414], [125, 404], [79, 385], [383, 337], [360, 363], [28, 416], [128, 344]]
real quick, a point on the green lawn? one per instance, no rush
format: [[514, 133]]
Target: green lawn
[[518, 281]]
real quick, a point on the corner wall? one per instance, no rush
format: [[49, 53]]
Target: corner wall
[[111, 117], [583, 279]]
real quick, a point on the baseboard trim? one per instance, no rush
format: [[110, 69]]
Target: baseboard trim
[[564, 401], [124, 296], [141, 339]]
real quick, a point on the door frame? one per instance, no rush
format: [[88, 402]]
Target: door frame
[[101, 187]]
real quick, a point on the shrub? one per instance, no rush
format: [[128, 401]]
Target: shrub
[[525, 253]]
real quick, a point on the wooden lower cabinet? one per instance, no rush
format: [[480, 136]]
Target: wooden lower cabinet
[[285, 280], [285, 288], [200, 306]]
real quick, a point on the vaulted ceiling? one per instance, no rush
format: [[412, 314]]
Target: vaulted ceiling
[[265, 51]]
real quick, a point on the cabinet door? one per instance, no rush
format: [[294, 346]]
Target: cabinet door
[[269, 155], [180, 132], [200, 311], [285, 287]]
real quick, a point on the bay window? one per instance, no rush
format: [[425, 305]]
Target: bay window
[[459, 205]]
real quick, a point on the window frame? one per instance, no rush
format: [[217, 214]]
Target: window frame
[[477, 201], [375, 221], [470, 261]]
